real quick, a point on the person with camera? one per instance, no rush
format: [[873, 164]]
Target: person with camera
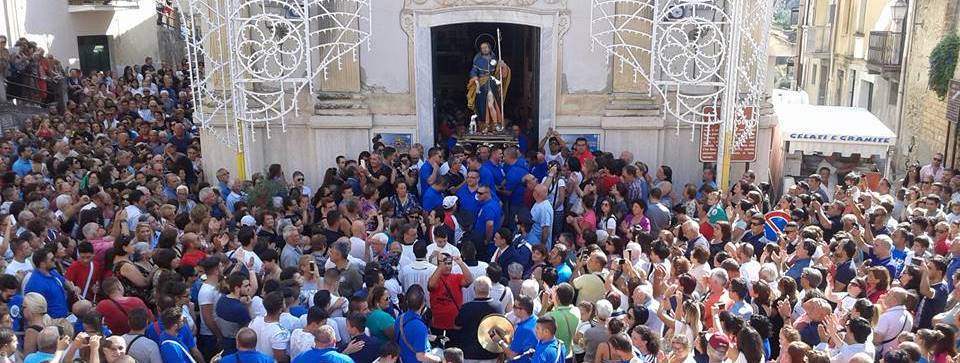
[[446, 294]]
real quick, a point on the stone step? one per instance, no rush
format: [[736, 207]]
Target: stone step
[[339, 96], [632, 106]]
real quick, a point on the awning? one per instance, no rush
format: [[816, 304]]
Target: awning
[[827, 129]]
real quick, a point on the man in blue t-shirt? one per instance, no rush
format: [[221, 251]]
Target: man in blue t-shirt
[[514, 186], [488, 217], [549, 349], [525, 336], [430, 171], [246, 349], [325, 350], [172, 349], [933, 291], [542, 218], [433, 196], [10, 295], [232, 310], [48, 282], [846, 268], [411, 331]]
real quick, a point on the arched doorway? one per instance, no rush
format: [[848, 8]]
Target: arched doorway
[[454, 46]]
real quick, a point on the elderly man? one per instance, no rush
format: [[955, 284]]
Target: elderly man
[[351, 279], [542, 215], [880, 253], [817, 310], [468, 320], [895, 320], [184, 203], [691, 230], [589, 277], [47, 345], [291, 253], [717, 297]]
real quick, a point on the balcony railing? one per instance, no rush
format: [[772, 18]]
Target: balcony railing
[[101, 5], [884, 50], [818, 40]]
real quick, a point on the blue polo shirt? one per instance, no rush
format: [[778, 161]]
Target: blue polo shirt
[[156, 332], [549, 352], [431, 199], [489, 211], [425, 171], [172, 351], [468, 200], [889, 263], [524, 339], [494, 171], [52, 288], [326, 355], [414, 331], [15, 305], [247, 356], [486, 176], [514, 182]]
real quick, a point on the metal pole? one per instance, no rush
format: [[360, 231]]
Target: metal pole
[[729, 104]]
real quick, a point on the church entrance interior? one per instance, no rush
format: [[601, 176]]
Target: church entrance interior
[[454, 48]]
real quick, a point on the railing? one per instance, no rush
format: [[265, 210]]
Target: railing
[[167, 14], [818, 39], [24, 90], [885, 49]]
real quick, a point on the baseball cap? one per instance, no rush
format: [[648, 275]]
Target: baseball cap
[[449, 202], [719, 341], [248, 220]]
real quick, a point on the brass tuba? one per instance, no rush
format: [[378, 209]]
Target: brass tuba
[[491, 325]]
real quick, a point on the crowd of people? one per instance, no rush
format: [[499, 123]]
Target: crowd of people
[[117, 248]]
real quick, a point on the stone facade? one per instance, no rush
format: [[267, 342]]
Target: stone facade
[[924, 129], [389, 89]]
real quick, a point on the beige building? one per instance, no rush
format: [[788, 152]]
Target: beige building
[[417, 66], [850, 55], [96, 34], [927, 127]]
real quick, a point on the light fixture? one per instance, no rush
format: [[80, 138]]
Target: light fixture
[[899, 11]]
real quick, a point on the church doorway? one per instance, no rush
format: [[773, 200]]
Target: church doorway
[[454, 47]]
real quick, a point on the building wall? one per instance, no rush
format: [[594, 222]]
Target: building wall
[[133, 33], [924, 123]]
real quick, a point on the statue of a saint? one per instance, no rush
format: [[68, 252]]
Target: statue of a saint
[[486, 90]]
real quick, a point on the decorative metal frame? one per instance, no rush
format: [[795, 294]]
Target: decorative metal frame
[[692, 54], [255, 58]]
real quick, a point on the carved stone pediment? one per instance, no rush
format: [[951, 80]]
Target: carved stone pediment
[[444, 4]]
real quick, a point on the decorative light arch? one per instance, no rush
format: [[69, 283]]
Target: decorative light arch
[[254, 58], [692, 54]]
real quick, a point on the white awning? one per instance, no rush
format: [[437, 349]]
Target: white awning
[[827, 129]]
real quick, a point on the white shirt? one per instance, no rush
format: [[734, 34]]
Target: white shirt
[[257, 262], [469, 294], [356, 247], [16, 266], [133, 216], [406, 254], [416, 273], [750, 271], [208, 296], [270, 336], [356, 262], [290, 322], [893, 322], [844, 352], [448, 248], [300, 341]]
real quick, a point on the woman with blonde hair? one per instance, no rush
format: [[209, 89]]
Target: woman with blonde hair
[[35, 318]]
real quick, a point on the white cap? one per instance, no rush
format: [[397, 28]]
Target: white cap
[[248, 220], [449, 202]]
